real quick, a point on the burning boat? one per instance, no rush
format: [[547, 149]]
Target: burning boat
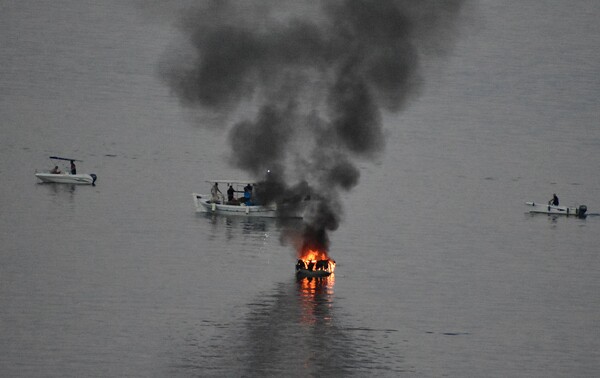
[[314, 264]]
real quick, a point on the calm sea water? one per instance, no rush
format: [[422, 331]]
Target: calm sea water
[[441, 272]]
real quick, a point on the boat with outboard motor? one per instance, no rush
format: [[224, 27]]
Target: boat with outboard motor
[[557, 210], [69, 177], [243, 205]]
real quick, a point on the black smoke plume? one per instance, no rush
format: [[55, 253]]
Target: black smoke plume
[[320, 75]]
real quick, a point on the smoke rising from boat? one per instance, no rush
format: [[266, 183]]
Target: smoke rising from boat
[[319, 78]]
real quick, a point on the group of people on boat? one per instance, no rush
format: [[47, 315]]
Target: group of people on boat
[[312, 265], [57, 171], [216, 195]]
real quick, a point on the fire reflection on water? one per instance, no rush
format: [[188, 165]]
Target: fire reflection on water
[[315, 296], [293, 330]]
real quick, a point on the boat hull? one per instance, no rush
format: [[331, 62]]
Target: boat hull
[[66, 178], [203, 204], [557, 210], [312, 273]]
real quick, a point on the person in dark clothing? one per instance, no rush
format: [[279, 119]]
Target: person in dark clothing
[[554, 200], [300, 265], [230, 192], [73, 168]]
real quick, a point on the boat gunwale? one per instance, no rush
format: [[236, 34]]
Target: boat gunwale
[[65, 178], [542, 208], [313, 273]]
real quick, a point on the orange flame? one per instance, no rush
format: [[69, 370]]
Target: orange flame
[[313, 256]]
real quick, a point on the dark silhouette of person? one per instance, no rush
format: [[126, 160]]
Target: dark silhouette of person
[[73, 168], [322, 265], [248, 194], [230, 192], [554, 200]]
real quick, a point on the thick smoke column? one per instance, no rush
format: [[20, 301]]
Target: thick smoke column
[[319, 80]]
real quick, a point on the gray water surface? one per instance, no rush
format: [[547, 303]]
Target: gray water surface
[[441, 272]]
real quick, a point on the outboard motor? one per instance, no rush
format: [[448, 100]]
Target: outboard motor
[[93, 179], [581, 211]]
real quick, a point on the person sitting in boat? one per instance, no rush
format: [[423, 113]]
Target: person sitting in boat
[[310, 266], [55, 170], [554, 200], [214, 191], [73, 168]]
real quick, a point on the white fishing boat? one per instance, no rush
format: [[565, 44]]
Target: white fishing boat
[[240, 203], [546, 208], [66, 177]]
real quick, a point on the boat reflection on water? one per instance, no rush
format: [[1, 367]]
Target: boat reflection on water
[[244, 224], [294, 329], [315, 296], [63, 191], [290, 330], [234, 226], [250, 222]]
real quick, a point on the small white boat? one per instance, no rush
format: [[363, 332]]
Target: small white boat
[[67, 178], [55, 176], [545, 208], [241, 204]]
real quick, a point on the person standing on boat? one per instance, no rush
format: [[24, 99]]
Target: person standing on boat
[[230, 193], [554, 200], [247, 194], [73, 168], [214, 191]]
